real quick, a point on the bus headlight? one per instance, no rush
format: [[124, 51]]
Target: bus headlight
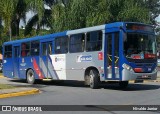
[[156, 69], [125, 66]]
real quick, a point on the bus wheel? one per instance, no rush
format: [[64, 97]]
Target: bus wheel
[[94, 79], [123, 84], [30, 76]]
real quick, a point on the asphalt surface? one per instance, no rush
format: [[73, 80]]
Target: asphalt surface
[[75, 93]]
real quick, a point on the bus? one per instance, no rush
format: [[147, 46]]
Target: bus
[[115, 52]]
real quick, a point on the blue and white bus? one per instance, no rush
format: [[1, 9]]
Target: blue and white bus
[[119, 52]]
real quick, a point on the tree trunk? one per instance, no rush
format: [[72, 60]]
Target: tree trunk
[[15, 27], [10, 33]]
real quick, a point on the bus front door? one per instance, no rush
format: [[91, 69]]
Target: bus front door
[[112, 56], [45, 61], [16, 61]]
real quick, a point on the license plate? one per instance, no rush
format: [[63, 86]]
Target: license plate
[[145, 76]]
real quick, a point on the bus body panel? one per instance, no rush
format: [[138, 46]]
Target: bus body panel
[[8, 67], [77, 63], [58, 65], [72, 66], [128, 75]]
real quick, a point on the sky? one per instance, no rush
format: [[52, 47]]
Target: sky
[[158, 18], [28, 16]]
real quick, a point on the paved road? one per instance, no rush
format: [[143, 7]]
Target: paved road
[[74, 93]]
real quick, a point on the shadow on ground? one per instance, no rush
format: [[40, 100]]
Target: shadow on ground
[[69, 83]]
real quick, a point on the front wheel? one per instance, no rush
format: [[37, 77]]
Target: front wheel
[[123, 84], [94, 79], [30, 76]]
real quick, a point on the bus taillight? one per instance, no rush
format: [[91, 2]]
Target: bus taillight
[[100, 56]]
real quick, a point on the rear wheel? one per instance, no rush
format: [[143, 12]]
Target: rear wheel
[[123, 84], [30, 76], [94, 79]]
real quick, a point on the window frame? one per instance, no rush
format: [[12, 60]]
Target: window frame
[[8, 51], [75, 43], [32, 53], [98, 41], [27, 51], [61, 45]]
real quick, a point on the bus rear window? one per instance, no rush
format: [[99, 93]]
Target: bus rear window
[[8, 51]]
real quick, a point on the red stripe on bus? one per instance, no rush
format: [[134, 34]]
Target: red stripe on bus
[[37, 69]]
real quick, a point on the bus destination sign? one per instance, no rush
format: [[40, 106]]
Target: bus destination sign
[[133, 26]]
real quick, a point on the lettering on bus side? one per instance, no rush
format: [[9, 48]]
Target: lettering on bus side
[[59, 59], [84, 58]]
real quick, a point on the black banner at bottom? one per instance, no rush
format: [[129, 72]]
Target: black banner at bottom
[[23, 108]]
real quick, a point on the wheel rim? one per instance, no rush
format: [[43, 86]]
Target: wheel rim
[[91, 77], [30, 77]]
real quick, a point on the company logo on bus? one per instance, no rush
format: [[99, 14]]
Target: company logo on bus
[[84, 58], [58, 59]]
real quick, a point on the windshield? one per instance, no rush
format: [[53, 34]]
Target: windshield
[[139, 46]]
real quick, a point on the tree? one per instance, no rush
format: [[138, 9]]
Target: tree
[[133, 11], [7, 8], [37, 6], [154, 9], [46, 19], [19, 13], [82, 13]]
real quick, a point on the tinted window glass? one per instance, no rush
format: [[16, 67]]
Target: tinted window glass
[[35, 48], [77, 43], [61, 45], [94, 41], [25, 49], [46, 48], [8, 51]]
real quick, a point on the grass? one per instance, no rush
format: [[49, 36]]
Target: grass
[[4, 86]]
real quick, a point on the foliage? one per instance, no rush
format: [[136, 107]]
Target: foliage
[[37, 6], [72, 14], [7, 8], [154, 9], [33, 22], [82, 13]]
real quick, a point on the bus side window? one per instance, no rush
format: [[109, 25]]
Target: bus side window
[[35, 48], [76, 43], [50, 48], [94, 41], [61, 45], [25, 49], [8, 51]]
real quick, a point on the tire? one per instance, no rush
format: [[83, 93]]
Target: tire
[[94, 79], [123, 84], [30, 76]]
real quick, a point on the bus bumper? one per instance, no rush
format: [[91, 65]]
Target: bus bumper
[[131, 75]]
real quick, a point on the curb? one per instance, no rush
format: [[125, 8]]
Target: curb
[[21, 93]]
